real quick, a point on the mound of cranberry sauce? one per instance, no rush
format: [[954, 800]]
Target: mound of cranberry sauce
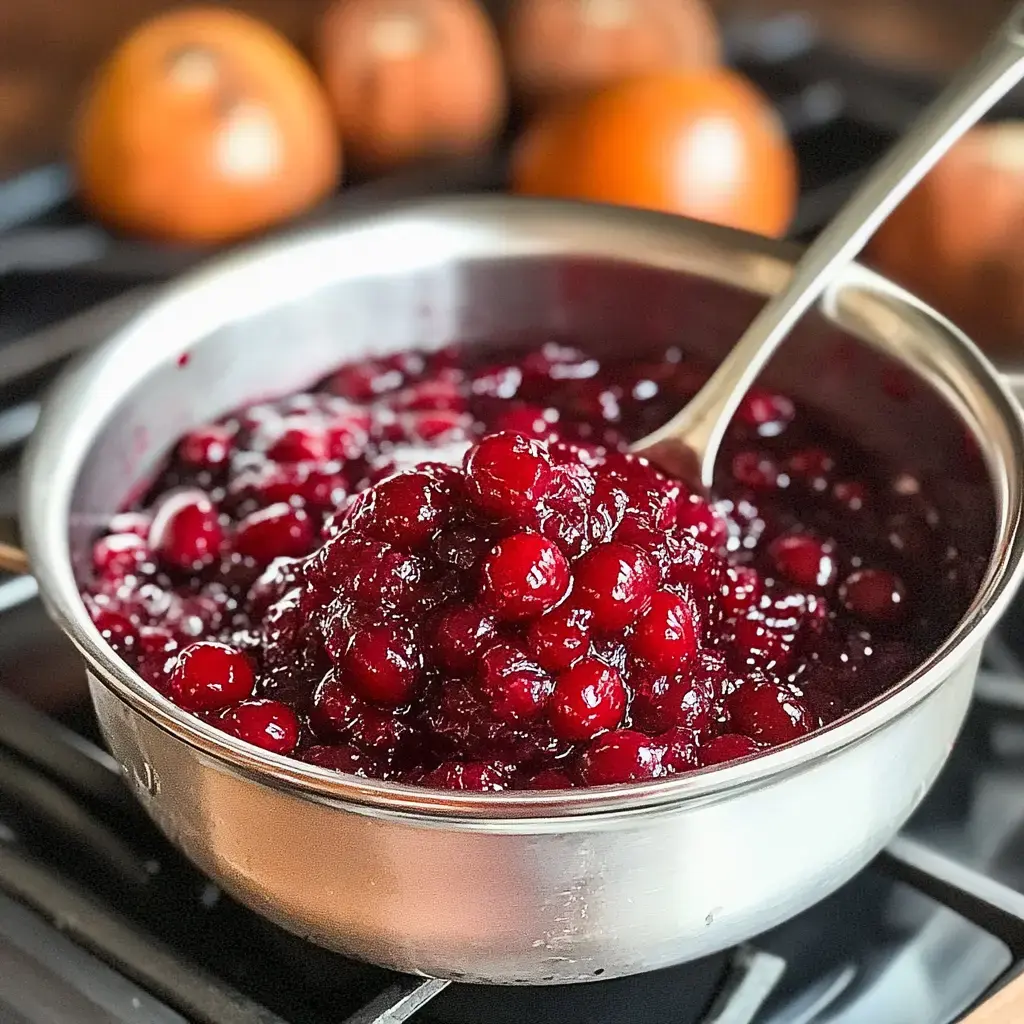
[[449, 573]]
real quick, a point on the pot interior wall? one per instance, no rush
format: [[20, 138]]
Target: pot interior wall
[[429, 300]]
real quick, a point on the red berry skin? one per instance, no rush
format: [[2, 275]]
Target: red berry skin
[[383, 664], [561, 637], [875, 596], [727, 747], [767, 412], [469, 776], [516, 688], [759, 644], [263, 723], [621, 756], [755, 470], [616, 582], [405, 509], [208, 676], [662, 702], [507, 475], [804, 560], [768, 712], [697, 518], [665, 637], [462, 634], [550, 778], [186, 534], [523, 576], [207, 448], [115, 627], [682, 750], [741, 590], [119, 555], [589, 699], [279, 531]]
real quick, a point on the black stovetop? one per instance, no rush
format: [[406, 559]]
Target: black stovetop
[[102, 921]]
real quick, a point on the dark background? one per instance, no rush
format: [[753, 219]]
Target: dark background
[[49, 48]]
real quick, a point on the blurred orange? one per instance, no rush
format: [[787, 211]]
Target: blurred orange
[[559, 48], [410, 79], [202, 126], [702, 144], [956, 239]]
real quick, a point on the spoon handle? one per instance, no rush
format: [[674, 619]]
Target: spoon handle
[[702, 424]]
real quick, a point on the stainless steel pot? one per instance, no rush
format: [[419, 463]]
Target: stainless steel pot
[[524, 887]]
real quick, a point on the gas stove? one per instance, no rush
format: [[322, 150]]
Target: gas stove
[[102, 921]]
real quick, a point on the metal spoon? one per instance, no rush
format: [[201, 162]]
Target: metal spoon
[[687, 446]]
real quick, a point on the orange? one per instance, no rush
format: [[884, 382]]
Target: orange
[[703, 144], [202, 126]]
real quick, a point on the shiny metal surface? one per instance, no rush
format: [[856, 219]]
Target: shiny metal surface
[[688, 444], [523, 887]]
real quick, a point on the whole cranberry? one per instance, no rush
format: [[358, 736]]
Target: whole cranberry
[[405, 509], [727, 747], [207, 448], [383, 663], [621, 756], [874, 595], [682, 750], [114, 625], [515, 687], [279, 531], [589, 699], [156, 650], [616, 582], [768, 412], [664, 637], [560, 637], [208, 675], [462, 634], [812, 467], [756, 470], [342, 758], [186, 532], [756, 642], [348, 433], [768, 712], [703, 521], [263, 723], [119, 555], [523, 576], [299, 439], [804, 560], [507, 474], [527, 420], [661, 702], [741, 590], [472, 776]]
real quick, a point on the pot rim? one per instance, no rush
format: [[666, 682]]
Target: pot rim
[[860, 301]]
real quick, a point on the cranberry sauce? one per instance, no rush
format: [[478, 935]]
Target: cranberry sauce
[[447, 573]]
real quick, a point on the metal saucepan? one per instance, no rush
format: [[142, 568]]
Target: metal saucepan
[[533, 887]]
